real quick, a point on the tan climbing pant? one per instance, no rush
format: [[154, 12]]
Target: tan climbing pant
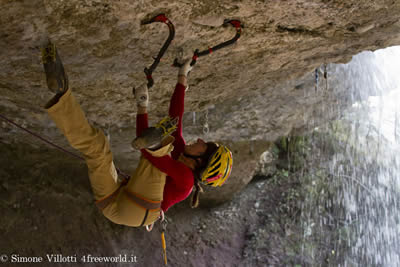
[[147, 181]]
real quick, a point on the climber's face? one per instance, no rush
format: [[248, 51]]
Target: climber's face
[[197, 148]]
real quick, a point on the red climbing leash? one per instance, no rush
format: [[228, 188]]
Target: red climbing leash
[[124, 175]]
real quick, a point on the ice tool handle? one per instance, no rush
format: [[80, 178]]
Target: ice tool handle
[[235, 23], [149, 71]]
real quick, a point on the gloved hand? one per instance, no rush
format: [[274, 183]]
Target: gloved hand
[[186, 68], [142, 95]]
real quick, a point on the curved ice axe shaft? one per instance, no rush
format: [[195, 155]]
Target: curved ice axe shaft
[[197, 53], [149, 71]]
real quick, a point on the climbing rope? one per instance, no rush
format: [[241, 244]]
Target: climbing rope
[[197, 53], [123, 175], [149, 71], [164, 224]]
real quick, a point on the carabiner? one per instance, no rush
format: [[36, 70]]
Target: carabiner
[[149, 71], [197, 54]]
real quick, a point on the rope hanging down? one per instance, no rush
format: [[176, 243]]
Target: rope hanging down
[[124, 175], [149, 71], [197, 53], [164, 224]]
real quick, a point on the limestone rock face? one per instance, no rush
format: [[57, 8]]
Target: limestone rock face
[[261, 88]]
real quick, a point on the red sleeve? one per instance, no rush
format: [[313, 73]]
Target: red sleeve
[[180, 179], [174, 193], [142, 123], [179, 182], [171, 167], [176, 109]]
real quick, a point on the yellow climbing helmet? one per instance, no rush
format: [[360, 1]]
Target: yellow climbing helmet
[[219, 167]]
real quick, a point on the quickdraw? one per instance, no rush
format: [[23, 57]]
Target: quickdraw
[[149, 71], [235, 23], [164, 224], [125, 177]]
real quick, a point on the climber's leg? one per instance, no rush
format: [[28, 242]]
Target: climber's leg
[[147, 182], [70, 119]]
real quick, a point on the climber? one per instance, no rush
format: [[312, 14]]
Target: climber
[[160, 180]]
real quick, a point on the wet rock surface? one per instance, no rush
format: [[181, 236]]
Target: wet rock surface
[[246, 87]]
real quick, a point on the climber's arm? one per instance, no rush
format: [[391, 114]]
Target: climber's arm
[[141, 110], [182, 79], [177, 106]]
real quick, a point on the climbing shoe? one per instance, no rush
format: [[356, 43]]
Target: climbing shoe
[[152, 137], [57, 80]]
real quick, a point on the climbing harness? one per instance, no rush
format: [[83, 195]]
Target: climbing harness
[[197, 53], [149, 71], [119, 172]]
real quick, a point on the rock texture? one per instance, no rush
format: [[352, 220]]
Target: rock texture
[[259, 89], [43, 215]]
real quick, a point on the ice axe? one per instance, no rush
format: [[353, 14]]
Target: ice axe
[[233, 22], [149, 71]]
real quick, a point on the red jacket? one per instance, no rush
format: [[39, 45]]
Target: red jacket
[[180, 179]]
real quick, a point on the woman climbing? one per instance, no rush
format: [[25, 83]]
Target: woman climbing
[[166, 172]]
